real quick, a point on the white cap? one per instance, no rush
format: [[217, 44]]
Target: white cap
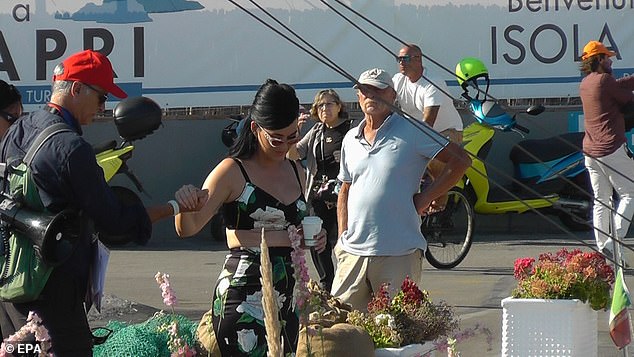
[[376, 77]]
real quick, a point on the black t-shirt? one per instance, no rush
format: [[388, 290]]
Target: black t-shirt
[[328, 159]]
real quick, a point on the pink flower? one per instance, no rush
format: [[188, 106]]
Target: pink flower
[[34, 317], [169, 298], [300, 293], [33, 326]]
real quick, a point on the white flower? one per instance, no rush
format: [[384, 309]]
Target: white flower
[[223, 285], [241, 269], [385, 319], [253, 305], [246, 193], [247, 340], [271, 219]]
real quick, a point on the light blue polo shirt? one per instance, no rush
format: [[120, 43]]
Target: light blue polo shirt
[[384, 177]]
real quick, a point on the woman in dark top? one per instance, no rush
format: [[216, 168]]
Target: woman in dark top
[[321, 148], [10, 106], [258, 187]]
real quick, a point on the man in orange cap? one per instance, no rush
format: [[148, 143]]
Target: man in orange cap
[[607, 157], [66, 175]]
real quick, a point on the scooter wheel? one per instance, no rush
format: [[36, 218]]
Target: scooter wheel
[[127, 197]]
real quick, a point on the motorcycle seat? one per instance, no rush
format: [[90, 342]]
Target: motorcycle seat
[[546, 150]]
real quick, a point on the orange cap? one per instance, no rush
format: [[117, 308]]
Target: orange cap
[[594, 48], [90, 67]]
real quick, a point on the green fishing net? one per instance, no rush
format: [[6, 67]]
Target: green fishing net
[[148, 338]]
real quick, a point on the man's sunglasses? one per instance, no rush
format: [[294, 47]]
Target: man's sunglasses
[[102, 97], [405, 59]]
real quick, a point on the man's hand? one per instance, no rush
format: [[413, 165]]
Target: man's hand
[[191, 198], [422, 203], [437, 205]]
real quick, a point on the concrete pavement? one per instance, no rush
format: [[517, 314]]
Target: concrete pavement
[[475, 288]]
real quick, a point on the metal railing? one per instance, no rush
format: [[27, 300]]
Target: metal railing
[[223, 112]]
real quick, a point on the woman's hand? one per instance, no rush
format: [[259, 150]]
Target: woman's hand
[[191, 198], [302, 119], [319, 238]]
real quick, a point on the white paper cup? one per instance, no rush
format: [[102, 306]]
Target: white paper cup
[[311, 226]]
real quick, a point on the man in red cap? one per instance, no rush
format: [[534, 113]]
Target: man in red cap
[[607, 156], [66, 175]]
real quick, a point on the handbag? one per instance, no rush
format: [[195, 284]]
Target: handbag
[[23, 274], [206, 335], [326, 191]]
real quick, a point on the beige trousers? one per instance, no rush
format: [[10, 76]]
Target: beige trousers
[[357, 278]]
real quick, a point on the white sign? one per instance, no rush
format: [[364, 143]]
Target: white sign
[[211, 53]]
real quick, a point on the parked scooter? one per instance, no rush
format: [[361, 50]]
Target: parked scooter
[[540, 165], [541, 168], [134, 118]]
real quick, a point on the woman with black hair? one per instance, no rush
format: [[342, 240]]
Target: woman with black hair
[[10, 106], [257, 187]]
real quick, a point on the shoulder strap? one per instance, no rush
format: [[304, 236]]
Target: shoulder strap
[[42, 138], [244, 172], [296, 173]]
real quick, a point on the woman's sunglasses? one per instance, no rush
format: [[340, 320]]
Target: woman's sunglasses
[[277, 142]]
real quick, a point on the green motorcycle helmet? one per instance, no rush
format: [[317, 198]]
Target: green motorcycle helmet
[[470, 69]]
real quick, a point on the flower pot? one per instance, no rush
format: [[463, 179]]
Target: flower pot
[[416, 350], [338, 340], [544, 327]]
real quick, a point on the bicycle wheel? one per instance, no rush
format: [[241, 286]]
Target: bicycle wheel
[[448, 233]]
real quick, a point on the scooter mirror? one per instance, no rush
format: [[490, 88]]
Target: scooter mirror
[[535, 109], [137, 117], [231, 132]]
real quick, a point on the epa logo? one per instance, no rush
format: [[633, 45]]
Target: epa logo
[[22, 348]]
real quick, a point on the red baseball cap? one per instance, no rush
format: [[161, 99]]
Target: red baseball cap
[[89, 67]]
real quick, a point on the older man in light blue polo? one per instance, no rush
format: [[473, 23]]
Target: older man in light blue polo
[[379, 206]]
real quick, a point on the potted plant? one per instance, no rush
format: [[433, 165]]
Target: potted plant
[[554, 306], [408, 320]]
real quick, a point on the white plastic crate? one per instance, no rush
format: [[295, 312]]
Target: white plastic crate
[[540, 327]]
